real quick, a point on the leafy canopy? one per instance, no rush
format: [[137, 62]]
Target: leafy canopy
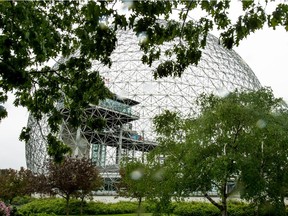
[[35, 34], [73, 177], [15, 183], [146, 181], [235, 142]]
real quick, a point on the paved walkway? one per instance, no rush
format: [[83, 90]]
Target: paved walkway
[[114, 199]]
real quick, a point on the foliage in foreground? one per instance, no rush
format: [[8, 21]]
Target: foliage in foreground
[[236, 143], [73, 177], [135, 179], [15, 183], [57, 206], [35, 33], [4, 209], [22, 200]]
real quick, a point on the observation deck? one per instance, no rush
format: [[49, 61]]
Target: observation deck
[[118, 137]]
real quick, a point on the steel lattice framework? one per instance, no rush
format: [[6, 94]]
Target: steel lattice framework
[[129, 130]]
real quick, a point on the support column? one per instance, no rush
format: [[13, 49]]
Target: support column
[[119, 148], [77, 151], [143, 150]]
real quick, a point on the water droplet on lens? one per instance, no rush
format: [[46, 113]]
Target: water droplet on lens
[[136, 175], [261, 123]]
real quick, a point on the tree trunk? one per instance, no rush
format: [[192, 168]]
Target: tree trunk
[[224, 207], [224, 212], [220, 207], [256, 211], [224, 199], [139, 206], [67, 204], [280, 206], [81, 206]]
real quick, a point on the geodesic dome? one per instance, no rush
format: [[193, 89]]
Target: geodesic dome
[[131, 133], [219, 71]]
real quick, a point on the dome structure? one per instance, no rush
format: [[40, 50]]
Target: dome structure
[[219, 71], [139, 98]]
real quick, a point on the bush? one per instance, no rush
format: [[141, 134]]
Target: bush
[[4, 209], [15, 212], [49, 206], [110, 208], [44, 214], [149, 206], [21, 200], [240, 209], [267, 209], [58, 207], [234, 209], [195, 209]]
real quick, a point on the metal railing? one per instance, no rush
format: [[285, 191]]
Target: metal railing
[[119, 107]]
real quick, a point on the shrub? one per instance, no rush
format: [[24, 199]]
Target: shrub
[[149, 206], [240, 209], [195, 209], [110, 208], [267, 209], [4, 209], [57, 206], [45, 214], [41, 214], [21, 200], [49, 206], [207, 209]]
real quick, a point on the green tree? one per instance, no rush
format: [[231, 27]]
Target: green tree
[[232, 140], [36, 33], [135, 181], [264, 175], [15, 183], [163, 191], [148, 181], [73, 177]]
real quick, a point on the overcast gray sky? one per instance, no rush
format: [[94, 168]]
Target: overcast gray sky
[[266, 52]]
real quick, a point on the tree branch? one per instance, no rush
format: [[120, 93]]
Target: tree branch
[[216, 185], [47, 72], [184, 21], [220, 207], [236, 135]]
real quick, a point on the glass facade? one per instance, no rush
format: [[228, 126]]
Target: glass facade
[[116, 106]]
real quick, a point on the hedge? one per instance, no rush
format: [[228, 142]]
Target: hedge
[[195, 209], [50, 206], [58, 207]]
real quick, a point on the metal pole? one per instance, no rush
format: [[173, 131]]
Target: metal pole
[[120, 146]]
